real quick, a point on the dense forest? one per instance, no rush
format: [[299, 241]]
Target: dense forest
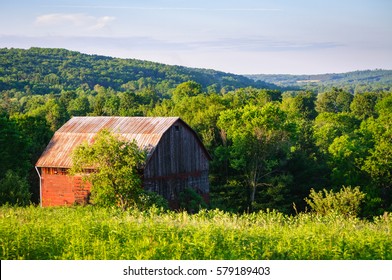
[[270, 145]]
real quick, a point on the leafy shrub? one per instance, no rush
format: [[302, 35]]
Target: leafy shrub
[[191, 201], [346, 202], [150, 199], [116, 180]]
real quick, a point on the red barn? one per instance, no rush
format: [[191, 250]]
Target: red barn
[[176, 159]]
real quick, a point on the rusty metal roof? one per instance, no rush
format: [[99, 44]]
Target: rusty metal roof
[[147, 131]]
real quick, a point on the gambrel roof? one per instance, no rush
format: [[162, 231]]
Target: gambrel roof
[[147, 131]]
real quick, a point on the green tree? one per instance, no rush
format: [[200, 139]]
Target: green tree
[[14, 189], [334, 101], [384, 105], [363, 105], [186, 89], [378, 163], [301, 105], [116, 180], [66, 97], [147, 96], [112, 103], [363, 157], [128, 104], [328, 126], [260, 142], [33, 103], [36, 134], [244, 96], [79, 106], [347, 156], [98, 101], [53, 111], [14, 151]]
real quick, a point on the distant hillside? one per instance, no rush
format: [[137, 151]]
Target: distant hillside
[[358, 80], [43, 71]]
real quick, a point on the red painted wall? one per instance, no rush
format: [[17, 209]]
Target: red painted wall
[[58, 189]]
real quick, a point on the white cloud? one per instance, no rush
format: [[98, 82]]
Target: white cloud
[[75, 20], [55, 19], [102, 22]]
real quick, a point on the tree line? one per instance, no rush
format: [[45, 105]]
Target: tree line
[[270, 148]]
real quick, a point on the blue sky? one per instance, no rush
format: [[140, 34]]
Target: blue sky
[[243, 37]]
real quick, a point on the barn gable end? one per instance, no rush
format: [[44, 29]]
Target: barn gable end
[[177, 163], [176, 157]]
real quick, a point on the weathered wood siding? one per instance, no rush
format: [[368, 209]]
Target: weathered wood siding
[[178, 161]]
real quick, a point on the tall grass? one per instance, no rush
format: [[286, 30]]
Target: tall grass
[[98, 233]]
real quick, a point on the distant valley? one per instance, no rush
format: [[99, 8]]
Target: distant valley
[[367, 80]]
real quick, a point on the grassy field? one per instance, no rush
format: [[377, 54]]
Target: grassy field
[[95, 233]]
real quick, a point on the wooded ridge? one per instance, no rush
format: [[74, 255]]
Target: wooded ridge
[[45, 71]]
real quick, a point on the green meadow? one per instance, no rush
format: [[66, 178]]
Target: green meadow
[[81, 233]]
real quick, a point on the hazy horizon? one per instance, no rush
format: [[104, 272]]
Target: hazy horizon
[[247, 37]]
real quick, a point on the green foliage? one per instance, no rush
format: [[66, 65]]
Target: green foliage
[[384, 105], [363, 105], [14, 190], [191, 201], [36, 132], [230, 197], [334, 101], [379, 163], [200, 112], [149, 200], [93, 233], [22, 140], [14, 151], [346, 202], [46, 71], [261, 140], [347, 155], [301, 105], [187, 89], [329, 126], [79, 106], [116, 163]]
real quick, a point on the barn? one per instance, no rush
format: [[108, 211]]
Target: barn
[[176, 158]]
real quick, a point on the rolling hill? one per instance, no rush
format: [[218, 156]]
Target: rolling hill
[[43, 71]]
